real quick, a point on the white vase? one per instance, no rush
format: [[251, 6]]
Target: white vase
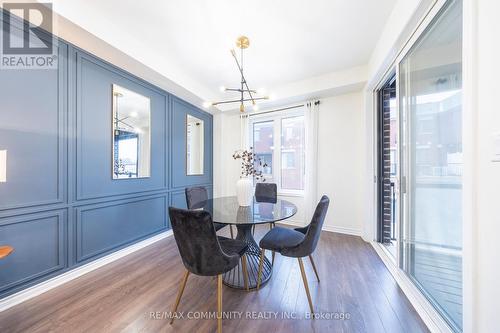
[[244, 191]]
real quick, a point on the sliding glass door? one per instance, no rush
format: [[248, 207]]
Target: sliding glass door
[[430, 99]]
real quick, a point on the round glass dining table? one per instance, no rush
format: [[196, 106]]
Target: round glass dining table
[[226, 210]]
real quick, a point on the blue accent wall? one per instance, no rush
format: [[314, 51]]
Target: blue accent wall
[[60, 207]]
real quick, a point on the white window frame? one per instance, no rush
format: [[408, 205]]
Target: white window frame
[[276, 117]]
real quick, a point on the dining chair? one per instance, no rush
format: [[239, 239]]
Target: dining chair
[[196, 198], [266, 192], [297, 243], [204, 253]]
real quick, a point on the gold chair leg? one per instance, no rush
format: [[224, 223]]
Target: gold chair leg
[[179, 294], [261, 262], [314, 266], [272, 262], [231, 230], [219, 303], [304, 279], [245, 271]]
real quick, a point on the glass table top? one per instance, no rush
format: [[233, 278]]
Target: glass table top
[[227, 210]]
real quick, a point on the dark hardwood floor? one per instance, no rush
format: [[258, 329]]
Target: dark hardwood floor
[[131, 295]]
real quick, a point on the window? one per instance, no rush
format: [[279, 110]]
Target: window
[[263, 145], [278, 140], [292, 153]]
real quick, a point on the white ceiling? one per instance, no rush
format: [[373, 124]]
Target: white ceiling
[[189, 41]]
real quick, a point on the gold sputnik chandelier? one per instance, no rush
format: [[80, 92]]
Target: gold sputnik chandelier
[[246, 94]]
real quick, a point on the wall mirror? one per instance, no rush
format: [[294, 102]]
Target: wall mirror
[[131, 134], [194, 145]]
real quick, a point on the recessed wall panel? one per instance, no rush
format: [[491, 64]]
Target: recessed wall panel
[[180, 177], [39, 247], [102, 228], [95, 133]]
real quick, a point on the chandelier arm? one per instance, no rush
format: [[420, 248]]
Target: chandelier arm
[[240, 90], [243, 79], [242, 106], [239, 100]]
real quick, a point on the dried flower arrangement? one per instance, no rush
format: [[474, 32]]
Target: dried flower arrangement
[[249, 162]]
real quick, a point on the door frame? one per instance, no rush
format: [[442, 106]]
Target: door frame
[[390, 75]]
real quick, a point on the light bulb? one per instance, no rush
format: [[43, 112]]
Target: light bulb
[[255, 107], [271, 97], [222, 88], [207, 104], [134, 114]]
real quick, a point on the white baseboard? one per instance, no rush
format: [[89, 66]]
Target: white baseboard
[[425, 310], [42, 287], [340, 230]]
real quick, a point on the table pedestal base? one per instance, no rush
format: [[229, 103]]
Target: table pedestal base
[[234, 278]]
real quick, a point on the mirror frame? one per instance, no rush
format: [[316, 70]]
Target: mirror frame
[[113, 133], [186, 137]]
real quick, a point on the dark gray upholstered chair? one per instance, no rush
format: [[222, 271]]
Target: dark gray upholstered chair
[[203, 252], [196, 198], [266, 192], [298, 243]]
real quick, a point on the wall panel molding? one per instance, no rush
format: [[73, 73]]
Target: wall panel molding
[[39, 242], [178, 177], [14, 132], [93, 86], [126, 220], [87, 217]]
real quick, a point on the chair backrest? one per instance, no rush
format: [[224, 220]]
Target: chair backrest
[[197, 241], [196, 197], [266, 192], [308, 245]]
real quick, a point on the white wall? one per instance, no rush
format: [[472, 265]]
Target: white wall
[[341, 160], [486, 220], [388, 44]]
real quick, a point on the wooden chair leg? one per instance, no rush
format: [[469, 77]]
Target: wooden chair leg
[[253, 230], [219, 303], [231, 230], [270, 226], [245, 271], [261, 262], [304, 279], [274, 254], [179, 294], [314, 266]]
